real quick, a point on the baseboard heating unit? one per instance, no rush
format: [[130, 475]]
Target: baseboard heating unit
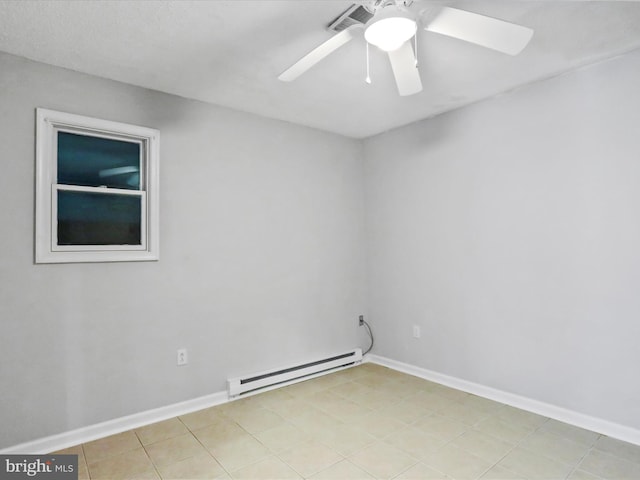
[[263, 380]]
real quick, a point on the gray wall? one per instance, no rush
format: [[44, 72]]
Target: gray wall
[[510, 232], [261, 259]]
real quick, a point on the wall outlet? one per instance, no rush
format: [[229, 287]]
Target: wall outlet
[[183, 359], [361, 320], [416, 331]]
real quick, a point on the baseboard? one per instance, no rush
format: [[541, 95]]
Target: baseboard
[[111, 427], [118, 425], [577, 419], [122, 424]]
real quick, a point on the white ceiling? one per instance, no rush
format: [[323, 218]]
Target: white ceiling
[[231, 52]]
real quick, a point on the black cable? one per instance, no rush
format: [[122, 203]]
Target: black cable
[[370, 335]]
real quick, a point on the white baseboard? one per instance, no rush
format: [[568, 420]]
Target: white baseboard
[[577, 419], [118, 425], [111, 427]]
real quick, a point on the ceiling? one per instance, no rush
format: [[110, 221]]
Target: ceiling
[[230, 53]]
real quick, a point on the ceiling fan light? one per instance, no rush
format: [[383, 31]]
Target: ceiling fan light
[[389, 32]]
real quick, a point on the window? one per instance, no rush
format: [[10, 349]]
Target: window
[[96, 190]]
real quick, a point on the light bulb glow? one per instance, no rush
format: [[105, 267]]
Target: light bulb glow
[[391, 32]]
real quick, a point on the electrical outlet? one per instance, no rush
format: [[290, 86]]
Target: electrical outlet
[[361, 320], [183, 359], [416, 331]]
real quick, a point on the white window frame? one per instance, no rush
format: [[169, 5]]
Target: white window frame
[[47, 250]]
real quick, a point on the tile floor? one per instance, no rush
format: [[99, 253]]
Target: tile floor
[[365, 422]]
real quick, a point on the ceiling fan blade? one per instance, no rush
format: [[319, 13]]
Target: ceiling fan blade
[[403, 64], [488, 32], [317, 54]]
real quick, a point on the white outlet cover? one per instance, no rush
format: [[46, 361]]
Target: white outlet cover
[[182, 357], [416, 331]]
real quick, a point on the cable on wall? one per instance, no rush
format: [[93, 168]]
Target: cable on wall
[[370, 332]]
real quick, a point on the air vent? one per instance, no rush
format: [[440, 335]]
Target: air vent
[[354, 15]]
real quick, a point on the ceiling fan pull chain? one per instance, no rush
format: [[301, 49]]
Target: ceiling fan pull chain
[[415, 45], [368, 78]]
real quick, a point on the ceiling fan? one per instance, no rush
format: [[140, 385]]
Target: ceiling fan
[[391, 26]]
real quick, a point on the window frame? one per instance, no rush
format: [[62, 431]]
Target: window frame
[[47, 250]]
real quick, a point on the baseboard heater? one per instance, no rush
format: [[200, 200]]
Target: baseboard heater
[[286, 375]]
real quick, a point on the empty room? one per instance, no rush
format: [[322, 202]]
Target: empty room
[[259, 239]]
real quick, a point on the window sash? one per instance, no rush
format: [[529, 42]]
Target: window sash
[[110, 136], [104, 191]]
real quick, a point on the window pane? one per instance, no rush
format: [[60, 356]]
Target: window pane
[[98, 218], [94, 161]]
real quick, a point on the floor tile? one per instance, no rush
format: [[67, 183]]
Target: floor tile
[[415, 442], [258, 420], [421, 472], [331, 380], [556, 447], [343, 470], [419, 384], [482, 404], [346, 410], [344, 439], [351, 389], [291, 408], [499, 473], [235, 454], [618, 448], [407, 411], [372, 381], [449, 393], [576, 434], [161, 431], [110, 446], [303, 388], [609, 466], [503, 429], [582, 475], [404, 389], [221, 432], [309, 458], [75, 450], [378, 425], [313, 420], [133, 463], [83, 471], [375, 400], [202, 466], [172, 450], [353, 373], [239, 406], [515, 416], [464, 414], [457, 463], [441, 427], [202, 418], [431, 401], [529, 465], [484, 446], [323, 398], [272, 397], [282, 437], [268, 469], [382, 460]]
